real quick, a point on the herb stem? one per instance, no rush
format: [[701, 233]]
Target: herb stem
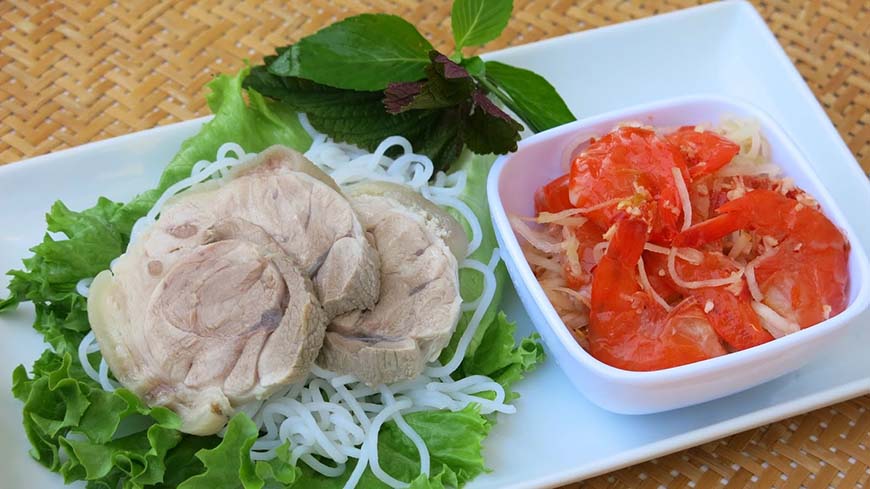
[[507, 100]]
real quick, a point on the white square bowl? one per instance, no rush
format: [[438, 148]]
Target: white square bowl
[[512, 183]]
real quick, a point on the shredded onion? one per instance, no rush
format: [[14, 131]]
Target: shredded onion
[[740, 243], [690, 255], [537, 239], [644, 283], [535, 258], [698, 284], [548, 217], [684, 197], [602, 205], [599, 250], [775, 324], [571, 293], [571, 247], [754, 289], [563, 218]]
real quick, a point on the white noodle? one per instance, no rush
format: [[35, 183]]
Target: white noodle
[[471, 328], [83, 286], [409, 432], [83, 350], [105, 382], [370, 446]]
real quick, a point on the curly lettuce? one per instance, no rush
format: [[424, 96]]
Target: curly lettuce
[[112, 439]]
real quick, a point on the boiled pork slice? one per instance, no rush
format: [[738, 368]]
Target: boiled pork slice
[[303, 210], [227, 296], [419, 303]]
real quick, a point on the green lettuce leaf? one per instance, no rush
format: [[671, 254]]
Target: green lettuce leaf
[[229, 464], [77, 429], [50, 276], [500, 357], [454, 442]]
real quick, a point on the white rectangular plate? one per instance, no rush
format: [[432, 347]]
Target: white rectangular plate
[[557, 436]]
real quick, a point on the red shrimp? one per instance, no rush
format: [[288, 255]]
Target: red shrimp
[[704, 151], [628, 329], [728, 307], [634, 169], [803, 274]]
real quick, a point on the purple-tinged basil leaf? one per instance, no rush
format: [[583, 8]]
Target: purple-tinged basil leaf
[[489, 129], [399, 96], [447, 68], [447, 84]]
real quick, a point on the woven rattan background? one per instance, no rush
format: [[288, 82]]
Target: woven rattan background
[[73, 72]]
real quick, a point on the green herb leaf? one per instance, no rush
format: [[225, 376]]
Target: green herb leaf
[[529, 95], [489, 129], [475, 66], [364, 52], [439, 115], [477, 22], [359, 117]]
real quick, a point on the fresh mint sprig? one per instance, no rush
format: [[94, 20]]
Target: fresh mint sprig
[[476, 22], [366, 77]]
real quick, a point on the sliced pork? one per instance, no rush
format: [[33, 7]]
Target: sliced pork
[[419, 303], [226, 297]]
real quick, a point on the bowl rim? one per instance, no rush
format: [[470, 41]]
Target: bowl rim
[[705, 367]]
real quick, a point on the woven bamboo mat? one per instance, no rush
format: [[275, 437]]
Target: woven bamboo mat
[[71, 73]]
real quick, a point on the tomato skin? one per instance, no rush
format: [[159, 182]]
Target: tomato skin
[[553, 197], [705, 152]]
